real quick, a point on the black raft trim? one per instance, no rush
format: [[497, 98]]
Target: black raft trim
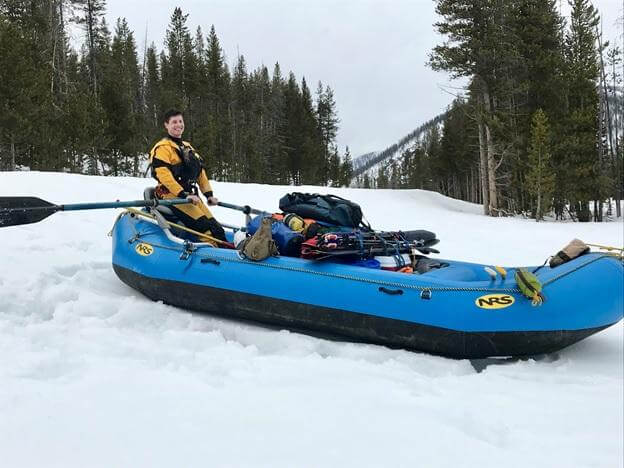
[[337, 323]]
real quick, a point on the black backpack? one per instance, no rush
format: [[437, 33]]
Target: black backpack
[[329, 209]]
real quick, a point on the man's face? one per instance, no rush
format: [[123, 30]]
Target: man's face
[[175, 126]]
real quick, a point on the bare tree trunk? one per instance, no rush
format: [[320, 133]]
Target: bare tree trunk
[[491, 163], [538, 209], [618, 195], [90, 22], [603, 81], [12, 159], [483, 167], [54, 31]]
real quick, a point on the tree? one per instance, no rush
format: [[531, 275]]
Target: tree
[[383, 182], [121, 102], [217, 118], [540, 176], [334, 167], [276, 160], [152, 95], [17, 72], [91, 20], [477, 48], [240, 115], [346, 171], [576, 167], [98, 110], [327, 124], [179, 64]]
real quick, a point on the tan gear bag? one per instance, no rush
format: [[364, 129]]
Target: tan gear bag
[[261, 245], [574, 249]]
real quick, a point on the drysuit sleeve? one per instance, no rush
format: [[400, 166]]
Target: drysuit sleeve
[[204, 183]]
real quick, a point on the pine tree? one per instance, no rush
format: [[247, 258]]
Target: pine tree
[[540, 176], [240, 105], [93, 64], [215, 144], [382, 181], [312, 156], [576, 170], [17, 72], [178, 64], [538, 27], [453, 169], [479, 49], [346, 171], [276, 161], [327, 124], [153, 96], [334, 167], [120, 101], [91, 16], [292, 132], [367, 182], [99, 110]]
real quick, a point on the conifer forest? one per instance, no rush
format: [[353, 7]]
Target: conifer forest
[[537, 128]]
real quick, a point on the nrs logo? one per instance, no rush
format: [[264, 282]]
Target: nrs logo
[[494, 301], [144, 249]]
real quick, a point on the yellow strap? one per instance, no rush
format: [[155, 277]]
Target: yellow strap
[[501, 271]]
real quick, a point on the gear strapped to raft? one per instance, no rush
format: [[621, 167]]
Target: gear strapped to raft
[[367, 244], [330, 209]]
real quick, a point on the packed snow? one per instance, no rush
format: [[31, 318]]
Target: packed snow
[[94, 374]]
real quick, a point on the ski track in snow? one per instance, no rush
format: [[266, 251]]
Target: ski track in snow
[[94, 374]]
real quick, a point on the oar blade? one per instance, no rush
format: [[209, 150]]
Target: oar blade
[[15, 211]]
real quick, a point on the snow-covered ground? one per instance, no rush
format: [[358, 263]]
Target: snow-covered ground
[[94, 374]]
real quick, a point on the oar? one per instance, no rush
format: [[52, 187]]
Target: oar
[[164, 224], [245, 209], [15, 211]]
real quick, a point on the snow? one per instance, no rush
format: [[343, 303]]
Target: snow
[[94, 374]]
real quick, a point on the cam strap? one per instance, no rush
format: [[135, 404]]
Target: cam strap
[[530, 286]]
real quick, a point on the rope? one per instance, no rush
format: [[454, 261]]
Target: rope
[[617, 252], [320, 273], [395, 284], [595, 259]]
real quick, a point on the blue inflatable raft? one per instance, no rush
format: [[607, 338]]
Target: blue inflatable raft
[[457, 311]]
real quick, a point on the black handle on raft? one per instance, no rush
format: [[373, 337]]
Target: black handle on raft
[[210, 260], [392, 292]]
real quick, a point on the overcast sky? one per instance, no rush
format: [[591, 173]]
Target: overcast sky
[[371, 52]]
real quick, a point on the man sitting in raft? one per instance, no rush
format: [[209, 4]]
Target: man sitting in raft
[[179, 170]]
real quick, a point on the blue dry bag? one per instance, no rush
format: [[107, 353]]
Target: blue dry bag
[[288, 241]]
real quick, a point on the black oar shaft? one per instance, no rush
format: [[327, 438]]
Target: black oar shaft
[[15, 211], [245, 209]]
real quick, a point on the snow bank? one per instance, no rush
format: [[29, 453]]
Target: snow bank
[[93, 374]]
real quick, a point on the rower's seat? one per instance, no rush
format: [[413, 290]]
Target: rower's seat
[[167, 212]]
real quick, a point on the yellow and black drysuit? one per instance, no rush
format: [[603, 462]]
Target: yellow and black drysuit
[[178, 169]]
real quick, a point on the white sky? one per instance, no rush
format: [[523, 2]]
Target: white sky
[[371, 52]]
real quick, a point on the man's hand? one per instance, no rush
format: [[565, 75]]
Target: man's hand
[[212, 201], [194, 199]]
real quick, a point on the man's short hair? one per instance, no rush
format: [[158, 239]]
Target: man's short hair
[[171, 113]]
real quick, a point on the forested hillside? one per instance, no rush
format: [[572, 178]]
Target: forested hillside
[[537, 130], [98, 110]]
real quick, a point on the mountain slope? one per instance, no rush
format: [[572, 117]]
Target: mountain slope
[[370, 162]]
